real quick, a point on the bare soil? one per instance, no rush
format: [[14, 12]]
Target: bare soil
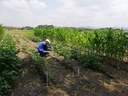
[[66, 81]]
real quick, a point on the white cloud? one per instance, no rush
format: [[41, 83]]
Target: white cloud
[[15, 12], [15, 5], [19, 12], [68, 3], [120, 6], [97, 13], [37, 4]]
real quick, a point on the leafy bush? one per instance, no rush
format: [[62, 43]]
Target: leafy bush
[[34, 38], [88, 60], [9, 68], [1, 32], [38, 32], [92, 62]]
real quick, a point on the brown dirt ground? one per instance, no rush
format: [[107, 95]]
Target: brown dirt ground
[[74, 81]]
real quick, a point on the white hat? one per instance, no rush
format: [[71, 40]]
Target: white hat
[[48, 40]]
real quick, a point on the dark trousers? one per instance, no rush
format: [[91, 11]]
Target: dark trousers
[[43, 54]]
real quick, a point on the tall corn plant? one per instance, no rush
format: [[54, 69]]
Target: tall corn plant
[[121, 45], [110, 43], [102, 43]]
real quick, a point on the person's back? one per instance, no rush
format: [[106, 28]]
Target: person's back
[[43, 48]]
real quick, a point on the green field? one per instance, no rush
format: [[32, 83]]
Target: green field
[[82, 62]]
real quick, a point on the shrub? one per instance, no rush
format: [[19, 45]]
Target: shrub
[[1, 32], [93, 62], [34, 38], [9, 68]]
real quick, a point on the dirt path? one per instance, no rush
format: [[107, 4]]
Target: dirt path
[[85, 82], [30, 83]]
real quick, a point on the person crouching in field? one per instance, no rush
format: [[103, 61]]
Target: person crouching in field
[[44, 48]]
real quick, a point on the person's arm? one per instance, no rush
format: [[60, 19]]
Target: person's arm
[[49, 47], [46, 51]]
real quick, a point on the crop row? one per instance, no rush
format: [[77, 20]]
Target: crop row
[[91, 48]]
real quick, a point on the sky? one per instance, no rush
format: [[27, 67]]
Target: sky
[[71, 13]]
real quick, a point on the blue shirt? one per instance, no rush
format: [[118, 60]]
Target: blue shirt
[[43, 47]]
